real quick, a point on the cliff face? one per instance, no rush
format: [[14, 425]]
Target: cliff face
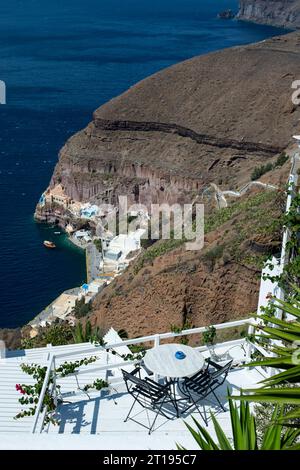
[[211, 118], [284, 13], [217, 284]]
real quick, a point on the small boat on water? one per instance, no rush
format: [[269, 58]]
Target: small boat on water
[[57, 233], [48, 244]]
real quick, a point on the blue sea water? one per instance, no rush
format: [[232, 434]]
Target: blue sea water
[[61, 59]]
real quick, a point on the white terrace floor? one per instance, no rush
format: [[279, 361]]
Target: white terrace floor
[[105, 417], [98, 422]]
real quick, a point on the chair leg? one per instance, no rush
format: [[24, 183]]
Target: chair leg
[[154, 421], [203, 416], [218, 400], [127, 417], [156, 416]]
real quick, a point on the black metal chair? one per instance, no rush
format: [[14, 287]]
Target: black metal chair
[[143, 366], [150, 395], [204, 383]]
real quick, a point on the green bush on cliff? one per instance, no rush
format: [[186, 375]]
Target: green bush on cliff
[[98, 244], [249, 206], [214, 254], [281, 160], [81, 308], [56, 334], [261, 170], [257, 209]]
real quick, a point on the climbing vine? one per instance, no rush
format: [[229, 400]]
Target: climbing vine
[[291, 272], [52, 398]]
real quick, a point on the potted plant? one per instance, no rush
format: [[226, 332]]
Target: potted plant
[[209, 336]]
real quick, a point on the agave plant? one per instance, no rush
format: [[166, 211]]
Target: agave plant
[[244, 435], [283, 387], [84, 335]]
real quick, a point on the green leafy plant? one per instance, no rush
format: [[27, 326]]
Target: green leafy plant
[[98, 384], [178, 329], [244, 433], [291, 270], [87, 334], [261, 170], [137, 353], [31, 393], [68, 368], [98, 244], [56, 334], [209, 335], [283, 387], [81, 308], [281, 159]]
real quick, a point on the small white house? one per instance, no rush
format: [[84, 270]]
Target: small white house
[[83, 235]]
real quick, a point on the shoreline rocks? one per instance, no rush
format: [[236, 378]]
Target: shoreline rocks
[[226, 15], [281, 13]]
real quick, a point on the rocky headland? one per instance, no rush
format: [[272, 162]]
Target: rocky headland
[[284, 13], [210, 119]]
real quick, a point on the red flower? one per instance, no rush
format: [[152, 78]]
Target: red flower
[[20, 389]]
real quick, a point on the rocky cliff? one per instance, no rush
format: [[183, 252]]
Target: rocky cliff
[[211, 118], [284, 13], [171, 286]]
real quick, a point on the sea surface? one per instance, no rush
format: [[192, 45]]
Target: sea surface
[[61, 59]]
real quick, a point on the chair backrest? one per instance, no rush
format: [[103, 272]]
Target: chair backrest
[[223, 371], [199, 383], [129, 377], [146, 387]]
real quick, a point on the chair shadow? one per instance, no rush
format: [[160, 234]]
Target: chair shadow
[[182, 403], [222, 393], [75, 413]]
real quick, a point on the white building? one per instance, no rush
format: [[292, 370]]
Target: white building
[[126, 243], [121, 246], [83, 236]]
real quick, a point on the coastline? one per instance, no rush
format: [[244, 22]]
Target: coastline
[[276, 13], [59, 263]]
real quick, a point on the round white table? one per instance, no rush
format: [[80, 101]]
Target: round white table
[[162, 361]]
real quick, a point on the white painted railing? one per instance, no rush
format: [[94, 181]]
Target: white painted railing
[[157, 338], [41, 410]]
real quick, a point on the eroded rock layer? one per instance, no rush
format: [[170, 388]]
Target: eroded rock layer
[[208, 119]]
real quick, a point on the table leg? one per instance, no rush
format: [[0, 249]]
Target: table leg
[[173, 383]]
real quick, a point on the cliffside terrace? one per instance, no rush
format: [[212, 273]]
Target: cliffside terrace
[[95, 420]]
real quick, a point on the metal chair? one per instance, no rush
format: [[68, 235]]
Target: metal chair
[[204, 383], [150, 395]]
